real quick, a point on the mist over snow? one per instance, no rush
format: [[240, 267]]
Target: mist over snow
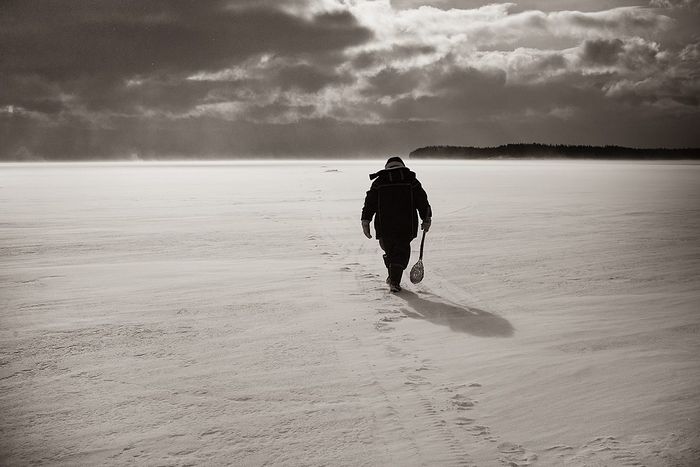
[[342, 77]]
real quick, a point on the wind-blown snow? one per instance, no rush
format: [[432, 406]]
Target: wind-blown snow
[[233, 313]]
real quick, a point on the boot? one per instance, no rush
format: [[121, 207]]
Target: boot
[[395, 273]]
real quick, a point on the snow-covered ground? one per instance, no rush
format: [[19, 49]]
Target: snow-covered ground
[[233, 313]]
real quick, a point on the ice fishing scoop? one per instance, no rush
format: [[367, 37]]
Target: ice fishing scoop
[[417, 270]]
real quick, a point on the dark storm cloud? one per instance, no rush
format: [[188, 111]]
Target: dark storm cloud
[[463, 81], [88, 51], [466, 95], [307, 78], [469, 95], [484, 99], [174, 94], [601, 51], [229, 78], [365, 59], [550, 61], [391, 82], [122, 38]]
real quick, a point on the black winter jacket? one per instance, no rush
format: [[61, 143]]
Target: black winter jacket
[[393, 200]]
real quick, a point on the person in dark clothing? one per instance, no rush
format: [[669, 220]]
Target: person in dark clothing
[[395, 200]]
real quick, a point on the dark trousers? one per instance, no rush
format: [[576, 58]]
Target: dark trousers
[[396, 256]]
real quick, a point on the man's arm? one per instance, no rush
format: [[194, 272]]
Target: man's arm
[[370, 207], [420, 200]]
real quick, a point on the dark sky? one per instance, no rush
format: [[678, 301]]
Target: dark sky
[[242, 78]]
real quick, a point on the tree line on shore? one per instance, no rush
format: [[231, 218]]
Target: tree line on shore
[[550, 151]]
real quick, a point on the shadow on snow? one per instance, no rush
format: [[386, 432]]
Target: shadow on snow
[[460, 319]]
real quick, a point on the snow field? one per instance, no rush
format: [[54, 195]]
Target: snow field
[[233, 313]]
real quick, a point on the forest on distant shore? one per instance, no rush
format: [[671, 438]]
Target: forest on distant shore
[[550, 151]]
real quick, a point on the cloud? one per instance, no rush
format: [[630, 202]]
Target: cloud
[[125, 38], [470, 96], [465, 30], [682, 4], [307, 78], [31, 93], [391, 82], [394, 53], [88, 54], [601, 51], [256, 77], [520, 5]]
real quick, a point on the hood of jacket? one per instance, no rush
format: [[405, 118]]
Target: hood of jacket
[[400, 172]]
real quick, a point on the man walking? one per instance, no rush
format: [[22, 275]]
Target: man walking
[[395, 200]]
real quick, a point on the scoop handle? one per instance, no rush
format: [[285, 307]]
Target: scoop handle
[[422, 242]]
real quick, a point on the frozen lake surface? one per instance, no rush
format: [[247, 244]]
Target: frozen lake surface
[[233, 312]]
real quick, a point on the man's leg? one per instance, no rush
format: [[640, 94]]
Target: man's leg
[[399, 261], [385, 257], [396, 256]]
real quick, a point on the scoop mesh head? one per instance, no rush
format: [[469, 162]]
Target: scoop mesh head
[[417, 272]]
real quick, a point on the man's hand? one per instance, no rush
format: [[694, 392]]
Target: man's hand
[[365, 228], [426, 224]]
